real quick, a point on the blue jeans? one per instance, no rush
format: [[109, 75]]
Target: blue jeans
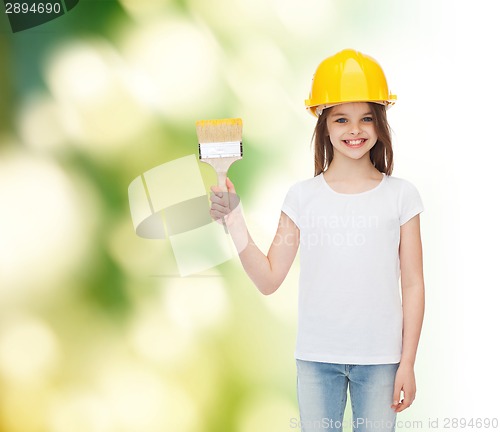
[[322, 396]]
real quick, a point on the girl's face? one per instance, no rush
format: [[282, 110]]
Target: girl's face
[[351, 129]]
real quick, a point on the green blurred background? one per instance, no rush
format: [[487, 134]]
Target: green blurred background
[[98, 332]]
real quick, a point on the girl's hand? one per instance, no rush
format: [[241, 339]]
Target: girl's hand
[[223, 203], [405, 382]]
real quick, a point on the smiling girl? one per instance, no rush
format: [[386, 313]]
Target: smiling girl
[[358, 230]]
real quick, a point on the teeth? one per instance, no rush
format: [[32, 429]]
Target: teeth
[[354, 142]]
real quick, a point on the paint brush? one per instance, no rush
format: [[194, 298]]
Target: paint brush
[[219, 146]]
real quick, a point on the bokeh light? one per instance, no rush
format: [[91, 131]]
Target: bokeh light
[[41, 124], [20, 336], [210, 307], [43, 228], [167, 54], [81, 411], [99, 109]]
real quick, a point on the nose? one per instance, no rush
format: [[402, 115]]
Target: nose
[[355, 128]]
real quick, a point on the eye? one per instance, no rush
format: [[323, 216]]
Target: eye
[[367, 119], [341, 120]]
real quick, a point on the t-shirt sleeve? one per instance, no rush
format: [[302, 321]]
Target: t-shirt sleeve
[[410, 203], [291, 205]]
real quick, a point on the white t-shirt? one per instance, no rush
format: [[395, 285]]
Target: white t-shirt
[[350, 308]]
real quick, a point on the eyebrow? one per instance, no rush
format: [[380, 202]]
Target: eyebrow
[[345, 115]]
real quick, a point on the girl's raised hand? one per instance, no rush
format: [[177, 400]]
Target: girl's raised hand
[[223, 203]]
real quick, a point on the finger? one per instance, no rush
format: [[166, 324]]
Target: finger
[[408, 398], [396, 397], [217, 197], [230, 186], [217, 190], [218, 194], [405, 403], [219, 208], [216, 215], [217, 219]]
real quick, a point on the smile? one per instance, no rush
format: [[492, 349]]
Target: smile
[[354, 143]]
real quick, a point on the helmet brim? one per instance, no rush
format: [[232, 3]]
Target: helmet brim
[[317, 110]]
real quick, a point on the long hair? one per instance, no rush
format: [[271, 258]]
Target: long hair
[[381, 153]]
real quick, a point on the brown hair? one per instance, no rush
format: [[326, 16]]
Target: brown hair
[[381, 153]]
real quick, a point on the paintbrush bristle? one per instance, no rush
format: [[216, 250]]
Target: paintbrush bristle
[[219, 131]]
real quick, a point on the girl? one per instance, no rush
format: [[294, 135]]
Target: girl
[[359, 232]]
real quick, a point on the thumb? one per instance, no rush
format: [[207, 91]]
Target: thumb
[[230, 186], [396, 398]]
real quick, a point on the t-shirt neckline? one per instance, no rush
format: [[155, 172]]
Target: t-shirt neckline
[[353, 194]]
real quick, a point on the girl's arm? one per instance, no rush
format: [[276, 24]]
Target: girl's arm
[[412, 288], [266, 271]]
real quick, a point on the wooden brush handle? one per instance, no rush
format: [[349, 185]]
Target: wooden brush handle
[[221, 166], [221, 181]]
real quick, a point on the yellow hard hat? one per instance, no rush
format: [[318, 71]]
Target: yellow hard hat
[[348, 76]]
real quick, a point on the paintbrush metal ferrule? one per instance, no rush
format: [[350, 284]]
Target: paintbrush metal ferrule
[[221, 149]]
